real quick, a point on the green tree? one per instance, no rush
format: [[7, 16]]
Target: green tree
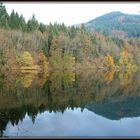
[[32, 24], [42, 27], [22, 23], [4, 17], [14, 20]]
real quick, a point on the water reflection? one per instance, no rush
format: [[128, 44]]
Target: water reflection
[[73, 123], [30, 95]]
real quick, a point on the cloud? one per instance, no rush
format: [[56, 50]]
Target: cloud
[[69, 13], [75, 123]]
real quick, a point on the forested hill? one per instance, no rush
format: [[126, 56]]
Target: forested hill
[[34, 45], [118, 109], [116, 24]]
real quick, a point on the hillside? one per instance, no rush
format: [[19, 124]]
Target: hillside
[[116, 24], [34, 45], [116, 110]]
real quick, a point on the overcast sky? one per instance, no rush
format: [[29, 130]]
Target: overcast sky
[[70, 12]]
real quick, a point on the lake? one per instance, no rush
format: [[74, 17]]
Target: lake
[[67, 104]]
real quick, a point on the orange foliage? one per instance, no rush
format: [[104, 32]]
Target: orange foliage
[[43, 64], [109, 76], [124, 58], [109, 62]]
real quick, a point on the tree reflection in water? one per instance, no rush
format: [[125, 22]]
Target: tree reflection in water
[[111, 94]]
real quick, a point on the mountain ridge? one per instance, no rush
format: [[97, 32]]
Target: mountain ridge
[[115, 24]]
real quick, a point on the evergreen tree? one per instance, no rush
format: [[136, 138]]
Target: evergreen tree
[[42, 27], [12, 20], [4, 17], [23, 25], [17, 21], [32, 24]]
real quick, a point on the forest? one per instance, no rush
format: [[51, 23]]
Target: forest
[[120, 24], [35, 47]]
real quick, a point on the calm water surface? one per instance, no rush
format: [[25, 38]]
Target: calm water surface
[[70, 104]]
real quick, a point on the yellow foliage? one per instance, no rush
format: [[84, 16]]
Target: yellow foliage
[[35, 67], [43, 63], [68, 77], [124, 78], [117, 68], [125, 58], [109, 76], [68, 61], [109, 62], [126, 68], [26, 79], [25, 59], [134, 68], [110, 66]]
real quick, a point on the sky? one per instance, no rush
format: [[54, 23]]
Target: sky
[[74, 123], [70, 13]]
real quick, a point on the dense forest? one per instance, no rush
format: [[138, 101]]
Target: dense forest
[[120, 25], [34, 46]]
